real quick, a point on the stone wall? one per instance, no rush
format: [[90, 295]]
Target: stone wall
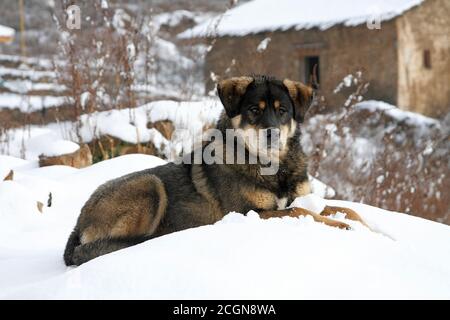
[[342, 50], [422, 89]]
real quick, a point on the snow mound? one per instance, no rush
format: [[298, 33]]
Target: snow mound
[[268, 15], [50, 145], [321, 189], [310, 202], [37, 141], [239, 257], [8, 163], [410, 118]]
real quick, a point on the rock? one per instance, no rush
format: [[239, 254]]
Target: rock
[[78, 159], [148, 149], [108, 147], [9, 176], [165, 127], [50, 199], [40, 206]]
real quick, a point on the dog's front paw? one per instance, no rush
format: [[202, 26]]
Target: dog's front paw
[[345, 226], [338, 224]]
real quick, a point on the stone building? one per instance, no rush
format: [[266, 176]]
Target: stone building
[[402, 47]]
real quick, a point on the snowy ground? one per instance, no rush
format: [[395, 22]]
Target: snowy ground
[[129, 125], [238, 257]]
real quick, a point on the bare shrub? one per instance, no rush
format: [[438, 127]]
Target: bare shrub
[[377, 154]]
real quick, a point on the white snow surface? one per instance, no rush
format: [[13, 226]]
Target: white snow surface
[[23, 86], [34, 75], [6, 31], [320, 188], [239, 257], [268, 15], [33, 61], [30, 103]]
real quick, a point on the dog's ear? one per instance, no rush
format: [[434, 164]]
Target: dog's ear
[[231, 91], [302, 95]]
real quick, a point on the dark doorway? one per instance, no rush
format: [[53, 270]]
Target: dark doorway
[[310, 62], [427, 59]]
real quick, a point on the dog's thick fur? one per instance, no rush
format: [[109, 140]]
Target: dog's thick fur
[[173, 197]]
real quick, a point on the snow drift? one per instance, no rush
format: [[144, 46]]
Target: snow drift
[[240, 257]]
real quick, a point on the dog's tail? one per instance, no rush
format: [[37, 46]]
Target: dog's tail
[[72, 243]]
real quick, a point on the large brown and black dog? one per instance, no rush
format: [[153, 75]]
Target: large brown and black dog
[[173, 197]]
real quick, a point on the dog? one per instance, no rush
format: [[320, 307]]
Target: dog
[[173, 197]]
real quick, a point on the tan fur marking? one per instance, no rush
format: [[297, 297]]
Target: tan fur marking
[[294, 87], [276, 104], [91, 234], [260, 199], [284, 136], [293, 127], [236, 121], [241, 83], [262, 105], [286, 132], [290, 85], [301, 95], [135, 210], [233, 86], [131, 225], [303, 189]]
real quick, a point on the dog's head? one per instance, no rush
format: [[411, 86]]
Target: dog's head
[[264, 105]]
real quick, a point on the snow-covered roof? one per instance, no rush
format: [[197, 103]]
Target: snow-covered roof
[[6, 32], [270, 15]]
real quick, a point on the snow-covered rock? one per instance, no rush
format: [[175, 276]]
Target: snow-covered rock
[[410, 118]]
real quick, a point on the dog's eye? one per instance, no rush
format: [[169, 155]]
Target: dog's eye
[[282, 111], [255, 110]]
